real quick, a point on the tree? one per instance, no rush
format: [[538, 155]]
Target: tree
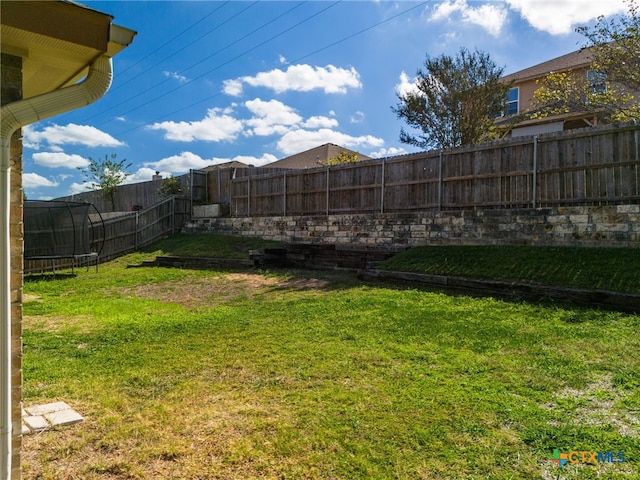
[[106, 175], [615, 45], [170, 186], [455, 101], [343, 157], [609, 89]]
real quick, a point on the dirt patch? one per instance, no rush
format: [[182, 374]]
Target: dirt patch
[[596, 404], [213, 290], [80, 323]]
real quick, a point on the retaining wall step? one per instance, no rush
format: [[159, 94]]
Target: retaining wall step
[[619, 301]]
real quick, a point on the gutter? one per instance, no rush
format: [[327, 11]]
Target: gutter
[[14, 116]]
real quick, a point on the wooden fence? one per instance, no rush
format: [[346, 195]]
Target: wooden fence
[[126, 232], [595, 166]]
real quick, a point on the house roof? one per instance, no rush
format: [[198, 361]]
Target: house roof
[[220, 166], [570, 61], [57, 40], [314, 157]]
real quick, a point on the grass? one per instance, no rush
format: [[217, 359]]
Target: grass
[[205, 245], [197, 374], [598, 268]]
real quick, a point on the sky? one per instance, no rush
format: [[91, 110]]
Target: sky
[[209, 82]]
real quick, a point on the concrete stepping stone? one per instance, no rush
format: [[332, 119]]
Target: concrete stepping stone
[[44, 417]]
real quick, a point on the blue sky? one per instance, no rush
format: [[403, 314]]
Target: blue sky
[[208, 82]]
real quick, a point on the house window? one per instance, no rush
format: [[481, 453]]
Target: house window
[[512, 101], [597, 81]]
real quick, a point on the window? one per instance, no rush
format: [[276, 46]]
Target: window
[[597, 81], [512, 101]]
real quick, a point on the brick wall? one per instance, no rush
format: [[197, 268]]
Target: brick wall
[[11, 82], [610, 226]]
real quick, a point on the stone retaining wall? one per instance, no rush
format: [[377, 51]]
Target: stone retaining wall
[[605, 226]]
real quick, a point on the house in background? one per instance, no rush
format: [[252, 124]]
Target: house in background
[[520, 97], [56, 57], [316, 157], [222, 166]]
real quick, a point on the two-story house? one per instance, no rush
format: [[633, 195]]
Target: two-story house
[[521, 97]]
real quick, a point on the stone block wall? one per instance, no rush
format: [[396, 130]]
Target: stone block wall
[[11, 82], [603, 226]]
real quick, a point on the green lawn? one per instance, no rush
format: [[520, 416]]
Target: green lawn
[[196, 374]]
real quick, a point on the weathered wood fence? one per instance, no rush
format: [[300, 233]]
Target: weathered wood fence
[[126, 232], [595, 166]]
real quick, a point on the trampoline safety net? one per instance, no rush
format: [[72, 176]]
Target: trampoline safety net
[[58, 229]]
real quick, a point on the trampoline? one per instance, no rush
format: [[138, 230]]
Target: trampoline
[[55, 230]]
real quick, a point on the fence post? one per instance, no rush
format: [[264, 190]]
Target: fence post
[[440, 162], [233, 204], [635, 135], [173, 215], [206, 187], [535, 170], [327, 199], [219, 200], [135, 237], [191, 191], [382, 187], [284, 194], [249, 195]]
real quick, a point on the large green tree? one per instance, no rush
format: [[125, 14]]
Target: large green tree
[[106, 175], [611, 87], [455, 101]]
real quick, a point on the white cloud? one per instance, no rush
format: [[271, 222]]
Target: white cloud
[[217, 126], [29, 140], [232, 87], [300, 78], [71, 134], [405, 85], [182, 163], [33, 180], [358, 117], [297, 141], [144, 174], [179, 164], [250, 160], [561, 17], [271, 117], [175, 76], [59, 160], [387, 152], [76, 188], [488, 16], [320, 122]]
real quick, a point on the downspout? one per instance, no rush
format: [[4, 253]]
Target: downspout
[[14, 116]]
